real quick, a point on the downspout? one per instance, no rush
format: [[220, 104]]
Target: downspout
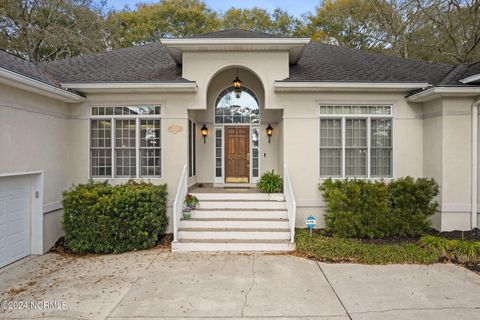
[[473, 214]]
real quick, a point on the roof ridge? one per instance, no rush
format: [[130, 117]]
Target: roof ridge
[[455, 71]]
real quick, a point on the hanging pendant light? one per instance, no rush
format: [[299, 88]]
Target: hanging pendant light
[[237, 83]]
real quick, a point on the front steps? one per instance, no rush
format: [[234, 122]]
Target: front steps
[[236, 222]]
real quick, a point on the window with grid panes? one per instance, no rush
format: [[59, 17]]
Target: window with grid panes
[[125, 142], [356, 141]]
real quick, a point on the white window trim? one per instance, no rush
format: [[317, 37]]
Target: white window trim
[[342, 117], [192, 134], [137, 119]]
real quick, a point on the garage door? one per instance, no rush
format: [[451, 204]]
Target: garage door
[[14, 219]]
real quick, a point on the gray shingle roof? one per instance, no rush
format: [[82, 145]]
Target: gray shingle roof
[[148, 63], [236, 33], [323, 62], [320, 62], [460, 72], [18, 65]]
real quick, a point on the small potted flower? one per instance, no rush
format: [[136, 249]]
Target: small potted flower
[[190, 202]]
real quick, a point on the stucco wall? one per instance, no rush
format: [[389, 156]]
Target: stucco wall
[[447, 129], [35, 135]]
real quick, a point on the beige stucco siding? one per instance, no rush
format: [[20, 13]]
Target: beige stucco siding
[[447, 128], [35, 136]]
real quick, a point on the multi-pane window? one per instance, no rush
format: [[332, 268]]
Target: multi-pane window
[[255, 152], [356, 141], [101, 147], [125, 142], [218, 152], [241, 107], [192, 148], [150, 148]]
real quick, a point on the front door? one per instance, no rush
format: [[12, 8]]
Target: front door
[[237, 155]]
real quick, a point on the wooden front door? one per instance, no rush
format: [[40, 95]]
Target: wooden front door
[[237, 154]]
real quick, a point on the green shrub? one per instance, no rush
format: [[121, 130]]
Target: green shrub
[[270, 182], [412, 204], [101, 218], [368, 209], [357, 208]]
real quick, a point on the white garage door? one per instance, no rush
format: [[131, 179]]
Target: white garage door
[[14, 219]]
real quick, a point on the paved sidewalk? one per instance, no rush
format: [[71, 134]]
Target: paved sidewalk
[[156, 284]]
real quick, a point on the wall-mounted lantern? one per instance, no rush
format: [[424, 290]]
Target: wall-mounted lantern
[[204, 130], [269, 132]]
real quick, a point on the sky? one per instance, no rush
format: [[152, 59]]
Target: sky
[[294, 7]]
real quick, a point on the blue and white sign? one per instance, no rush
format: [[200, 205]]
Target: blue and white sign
[[311, 222]]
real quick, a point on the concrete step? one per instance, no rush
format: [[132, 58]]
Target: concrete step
[[241, 204], [232, 246], [240, 214], [234, 223], [233, 233], [240, 196]]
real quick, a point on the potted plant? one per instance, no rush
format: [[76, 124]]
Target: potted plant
[[190, 202], [270, 182], [186, 213]]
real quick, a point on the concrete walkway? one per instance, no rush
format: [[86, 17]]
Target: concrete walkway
[[156, 284]]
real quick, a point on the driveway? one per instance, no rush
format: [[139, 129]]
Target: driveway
[[157, 284]]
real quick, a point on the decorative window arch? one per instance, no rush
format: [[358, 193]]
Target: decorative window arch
[[230, 109]]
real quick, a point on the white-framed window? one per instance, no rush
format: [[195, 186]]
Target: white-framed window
[[192, 148], [356, 141], [125, 142]]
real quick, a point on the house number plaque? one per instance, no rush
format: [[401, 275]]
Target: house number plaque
[[175, 128]]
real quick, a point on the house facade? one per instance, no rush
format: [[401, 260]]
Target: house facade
[[139, 113]]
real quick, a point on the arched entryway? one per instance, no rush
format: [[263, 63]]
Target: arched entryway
[[237, 117], [236, 150]]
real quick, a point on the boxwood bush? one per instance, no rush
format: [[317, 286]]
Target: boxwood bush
[[101, 218], [376, 209]]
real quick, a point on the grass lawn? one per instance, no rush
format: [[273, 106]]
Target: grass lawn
[[333, 249]]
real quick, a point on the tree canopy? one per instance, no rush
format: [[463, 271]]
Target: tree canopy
[[445, 31]]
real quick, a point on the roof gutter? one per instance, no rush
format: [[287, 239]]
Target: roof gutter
[[127, 87], [438, 92], [26, 83], [294, 86]]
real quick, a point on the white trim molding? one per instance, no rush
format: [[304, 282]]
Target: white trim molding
[[295, 46], [126, 87], [438, 92], [474, 166], [315, 86], [23, 82], [471, 79]]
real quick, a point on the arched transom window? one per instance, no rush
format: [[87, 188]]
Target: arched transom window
[[230, 109]]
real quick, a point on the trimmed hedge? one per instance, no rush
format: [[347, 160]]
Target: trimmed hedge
[[101, 218], [375, 209]]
